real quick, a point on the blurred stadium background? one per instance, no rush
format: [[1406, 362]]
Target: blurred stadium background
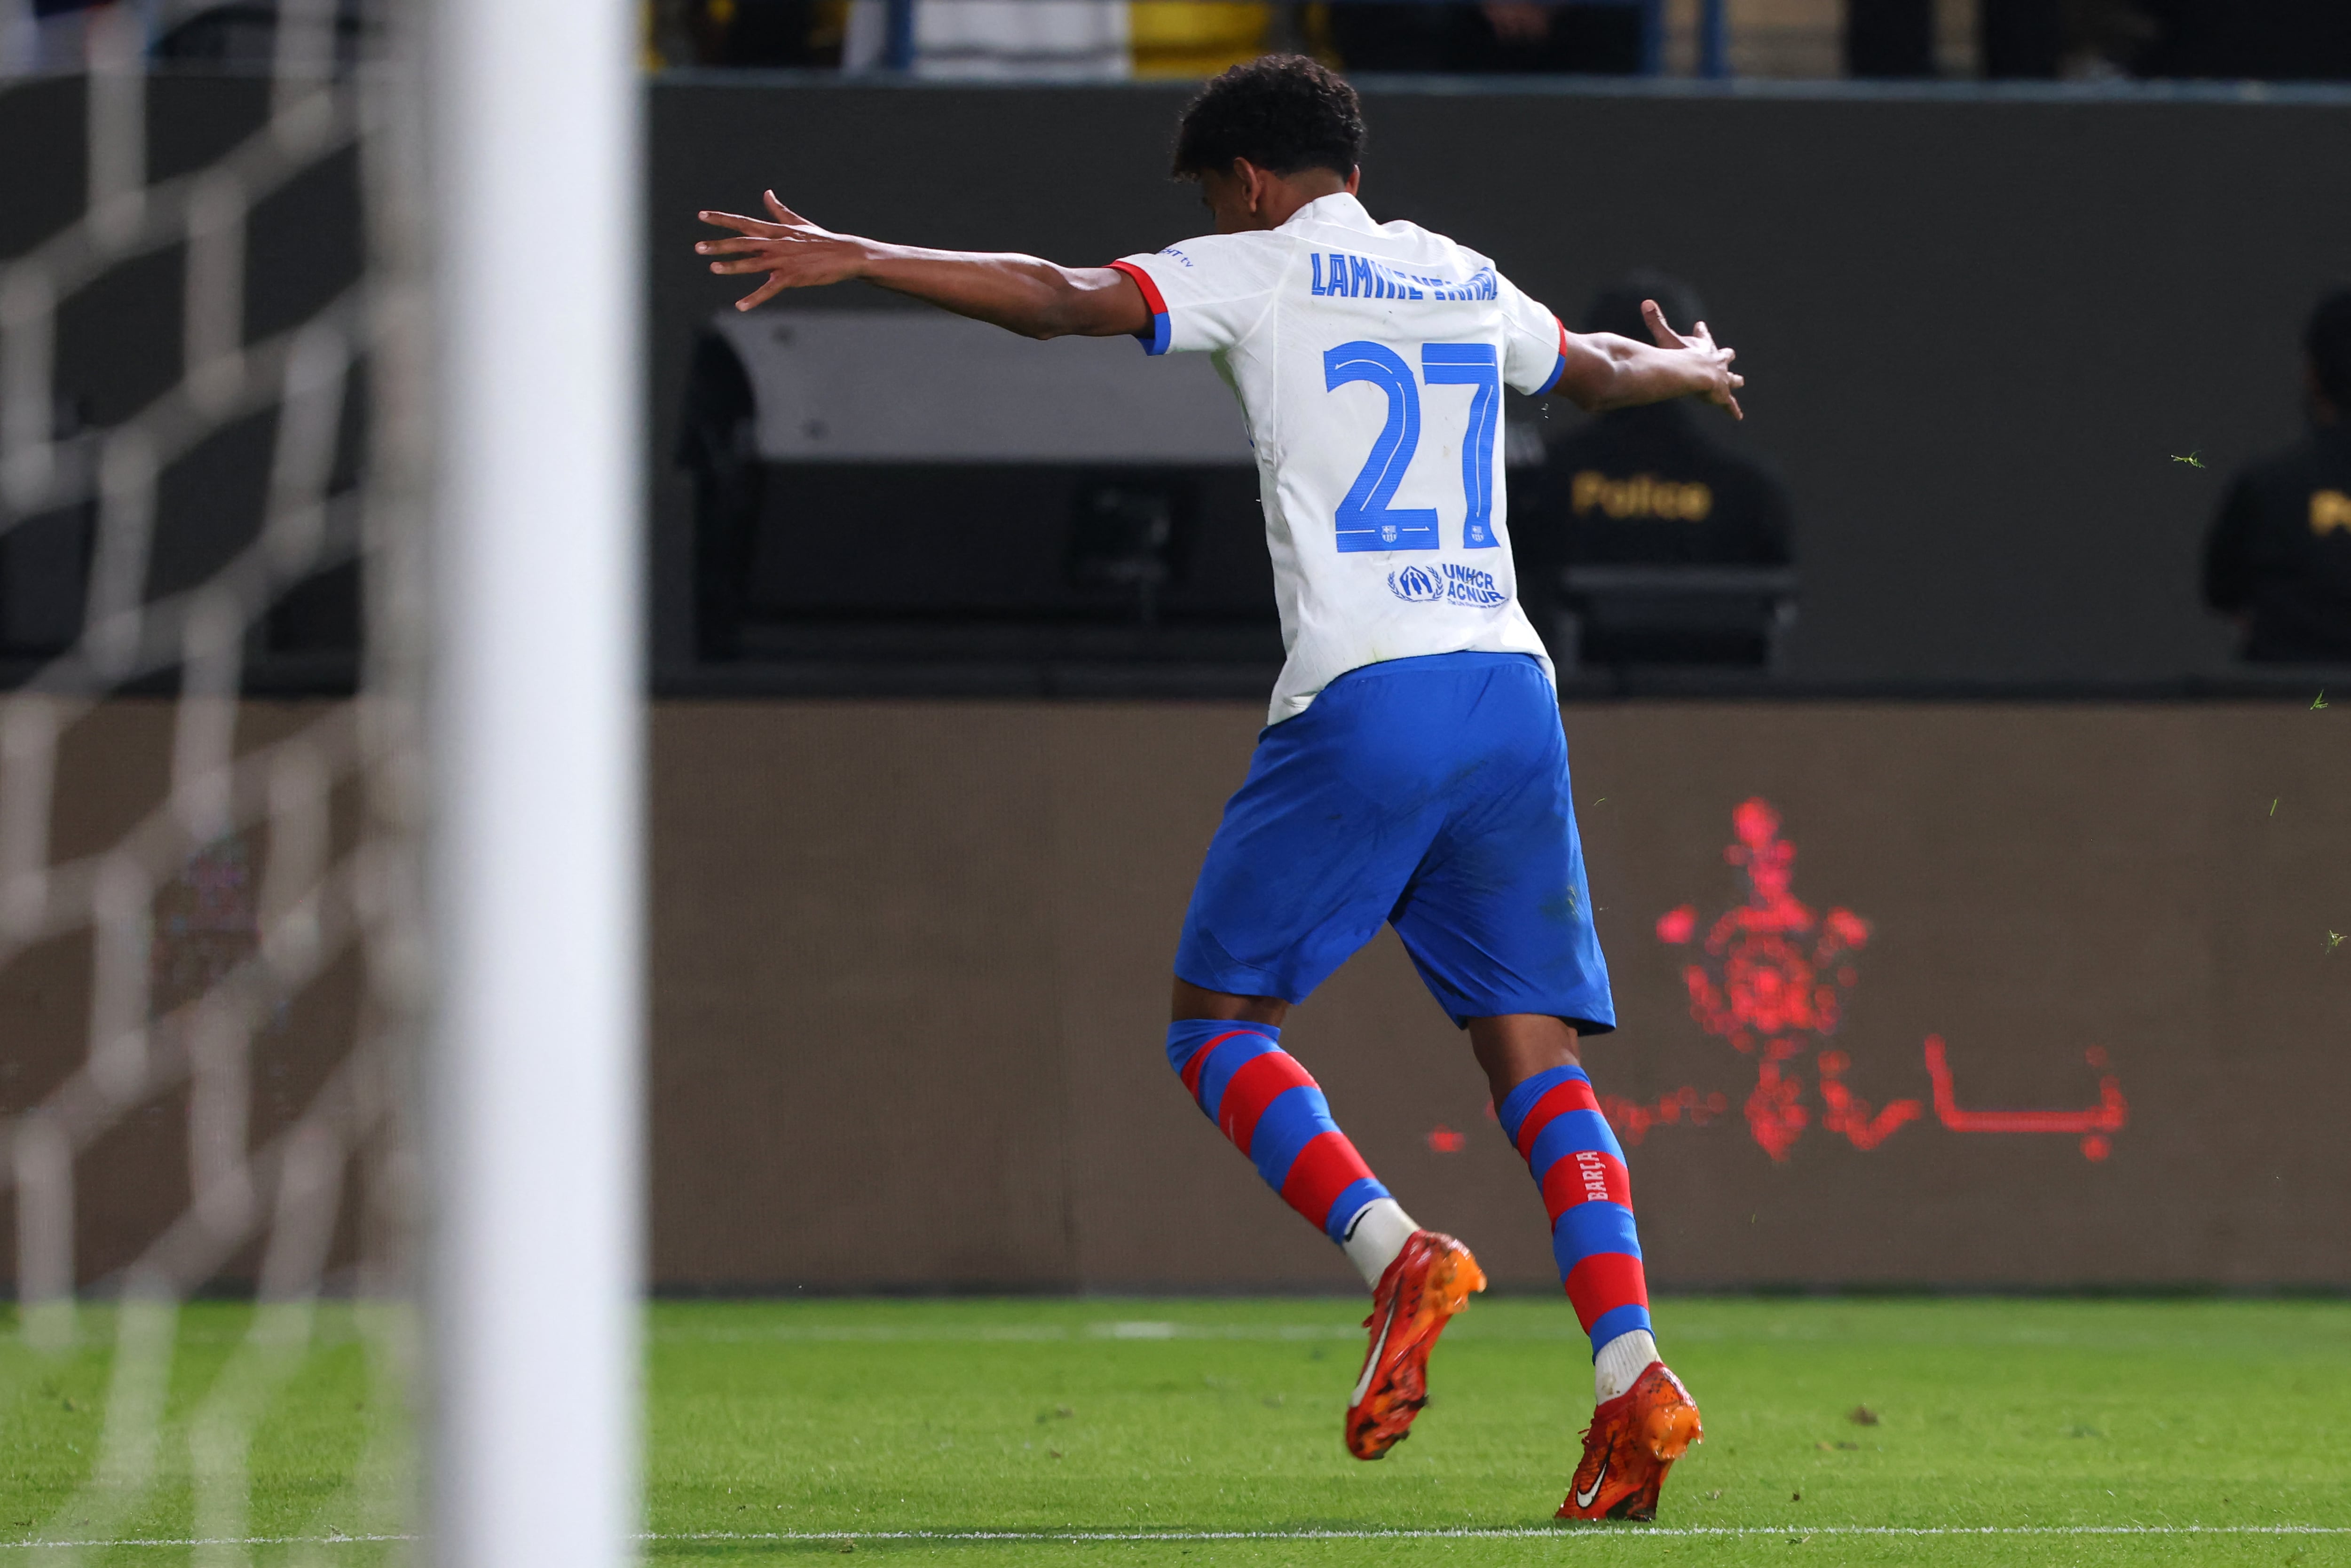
[[1974, 904]]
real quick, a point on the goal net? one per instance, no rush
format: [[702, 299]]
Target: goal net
[[282, 1191]]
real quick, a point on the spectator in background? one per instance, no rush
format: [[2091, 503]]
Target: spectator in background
[[1500, 36], [764, 33], [1000, 40], [1650, 486], [2278, 560], [242, 34], [1178, 39], [1890, 37], [2080, 39], [1644, 487], [1187, 40], [45, 34], [2272, 40], [719, 447], [1151, 40]]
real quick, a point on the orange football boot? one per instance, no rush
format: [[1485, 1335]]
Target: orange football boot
[[1633, 1441], [1429, 1281]]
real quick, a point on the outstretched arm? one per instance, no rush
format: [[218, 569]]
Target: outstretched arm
[[1035, 299], [1604, 370]]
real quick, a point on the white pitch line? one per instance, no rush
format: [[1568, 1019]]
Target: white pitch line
[[1489, 1533], [1508, 1533], [207, 1540]]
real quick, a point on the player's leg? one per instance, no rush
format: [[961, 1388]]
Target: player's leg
[[1532, 1068], [1226, 1049], [1311, 856], [1499, 924], [1643, 1419]]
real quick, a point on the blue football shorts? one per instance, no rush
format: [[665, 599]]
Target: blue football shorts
[[1431, 793]]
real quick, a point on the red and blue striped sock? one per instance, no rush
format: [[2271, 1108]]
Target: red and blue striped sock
[[1261, 1099], [1573, 1154]]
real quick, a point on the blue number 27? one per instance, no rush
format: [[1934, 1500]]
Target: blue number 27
[[1365, 520]]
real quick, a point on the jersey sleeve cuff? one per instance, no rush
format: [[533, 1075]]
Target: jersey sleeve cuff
[[1154, 341], [1558, 365]]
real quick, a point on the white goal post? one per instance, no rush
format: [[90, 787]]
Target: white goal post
[[532, 116]]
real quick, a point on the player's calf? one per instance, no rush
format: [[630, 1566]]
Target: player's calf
[[1645, 1417], [1266, 1102], [1271, 1109]]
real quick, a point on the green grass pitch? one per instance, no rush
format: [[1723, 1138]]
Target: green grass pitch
[[2074, 1431]]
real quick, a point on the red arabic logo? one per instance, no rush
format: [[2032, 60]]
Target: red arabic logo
[[2108, 1116], [1772, 979]]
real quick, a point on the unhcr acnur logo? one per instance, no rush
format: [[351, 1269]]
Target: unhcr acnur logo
[[1416, 584]]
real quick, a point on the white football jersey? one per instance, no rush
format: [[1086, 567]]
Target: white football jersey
[[1369, 359]]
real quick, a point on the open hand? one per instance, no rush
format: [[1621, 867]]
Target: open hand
[[1716, 383], [793, 252]]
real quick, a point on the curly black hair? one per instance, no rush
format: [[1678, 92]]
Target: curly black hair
[[1281, 113], [2328, 339]]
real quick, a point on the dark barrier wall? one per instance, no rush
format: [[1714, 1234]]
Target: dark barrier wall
[[1977, 329], [910, 982], [132, 1183], [910, 979]]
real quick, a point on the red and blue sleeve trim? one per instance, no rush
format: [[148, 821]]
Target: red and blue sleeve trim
[[1601, 1286], [1556, 1121], [1584, 1176], [1567, 1133], [1617, 1321], [1258, 1083], [1261, 1098], [1590, 1230], [1191, 1044], [1329, 1180], [1535, 1104], [1559, 366], [1155, 340], [1352, 1197]]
